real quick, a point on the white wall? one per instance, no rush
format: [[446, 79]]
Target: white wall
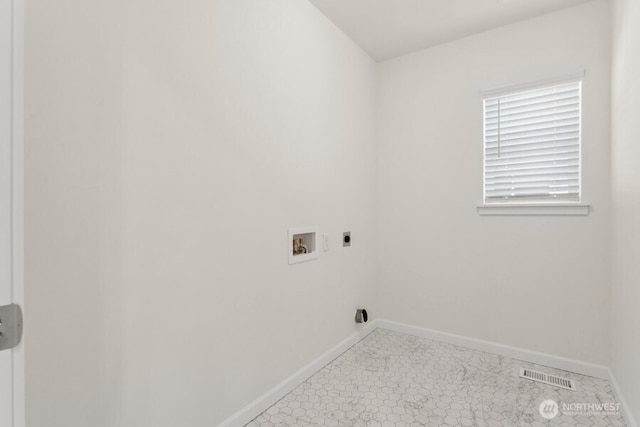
[[72, 230], [626, 200], [540, 283], [169, 147]]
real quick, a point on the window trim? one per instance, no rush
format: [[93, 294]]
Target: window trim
[[534, 209], [546, 207], [503, 90]]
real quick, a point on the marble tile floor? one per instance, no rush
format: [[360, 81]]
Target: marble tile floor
[[390, 379]]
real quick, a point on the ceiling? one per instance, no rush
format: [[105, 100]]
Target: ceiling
[[390, 28]]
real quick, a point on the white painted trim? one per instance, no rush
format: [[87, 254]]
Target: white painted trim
[[262, 403], [626, 411], [558, 362], [502, 90], [17, 204], [255, 408], [534, 209]]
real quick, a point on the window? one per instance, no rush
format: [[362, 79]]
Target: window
[[532, 145]]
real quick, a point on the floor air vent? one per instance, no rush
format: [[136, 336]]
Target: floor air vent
[[551, 380]]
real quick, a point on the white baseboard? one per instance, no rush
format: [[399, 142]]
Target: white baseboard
[[558, 362], [262, 403], [255, 408], [626, 411]]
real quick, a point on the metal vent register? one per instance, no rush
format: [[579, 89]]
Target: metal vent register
[[552, 380]]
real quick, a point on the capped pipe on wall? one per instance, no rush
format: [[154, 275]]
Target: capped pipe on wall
[[361, 315]]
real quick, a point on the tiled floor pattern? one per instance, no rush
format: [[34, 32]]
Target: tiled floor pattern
[[391, 379]]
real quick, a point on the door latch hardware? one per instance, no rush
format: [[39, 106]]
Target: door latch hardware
[[10, 326]]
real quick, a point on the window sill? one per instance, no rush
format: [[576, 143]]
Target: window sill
[[535, 209]]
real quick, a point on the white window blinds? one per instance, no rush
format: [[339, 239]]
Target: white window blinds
[[532, 145]]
